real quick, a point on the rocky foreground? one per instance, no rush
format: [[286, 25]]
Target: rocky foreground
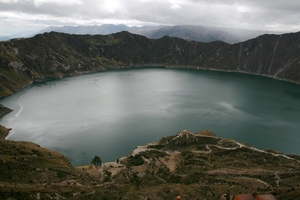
[[192, 165]]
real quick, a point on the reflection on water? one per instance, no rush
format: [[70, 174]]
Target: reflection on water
[[109, 114]]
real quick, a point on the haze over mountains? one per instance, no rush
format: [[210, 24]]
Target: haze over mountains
[[191, 33]]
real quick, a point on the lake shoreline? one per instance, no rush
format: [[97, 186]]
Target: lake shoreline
[[3, 130], [150, 66], [164, 95], [4, 110]]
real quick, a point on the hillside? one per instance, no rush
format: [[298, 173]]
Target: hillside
[[192, 165], [27, 170], [54, 55]]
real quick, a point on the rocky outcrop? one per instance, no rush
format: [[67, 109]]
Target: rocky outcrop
[[4, 110], [3, 132], [53, 55]]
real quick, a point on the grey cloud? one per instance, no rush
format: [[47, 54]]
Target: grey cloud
[[252, 14]]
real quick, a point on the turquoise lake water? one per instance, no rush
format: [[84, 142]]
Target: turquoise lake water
[[110, 113]]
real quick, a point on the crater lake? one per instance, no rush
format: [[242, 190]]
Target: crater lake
[[110, 113]]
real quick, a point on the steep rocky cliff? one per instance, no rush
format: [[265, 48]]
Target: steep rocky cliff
[[49, 55]]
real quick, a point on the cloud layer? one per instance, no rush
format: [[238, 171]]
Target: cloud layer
[[276, 15]]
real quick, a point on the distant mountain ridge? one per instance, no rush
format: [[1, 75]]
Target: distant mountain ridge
[[194, 33], [49, 55], [187, 32], [92, 30], [23, 34], [191, 33]]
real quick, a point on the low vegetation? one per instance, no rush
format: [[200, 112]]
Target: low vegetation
[[54, 55], [192, 165]]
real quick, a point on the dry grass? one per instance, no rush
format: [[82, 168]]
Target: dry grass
[[156, 171]]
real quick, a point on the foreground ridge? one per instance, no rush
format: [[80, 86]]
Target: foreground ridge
[[191, 165]]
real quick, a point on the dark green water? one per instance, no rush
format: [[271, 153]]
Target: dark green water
[[109, 114]]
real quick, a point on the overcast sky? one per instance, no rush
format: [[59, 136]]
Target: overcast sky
[[273, 15]]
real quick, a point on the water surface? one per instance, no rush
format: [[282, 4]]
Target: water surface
[[108, 114]]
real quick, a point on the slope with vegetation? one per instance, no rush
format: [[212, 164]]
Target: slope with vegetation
[[192, 165], [53, 55]]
